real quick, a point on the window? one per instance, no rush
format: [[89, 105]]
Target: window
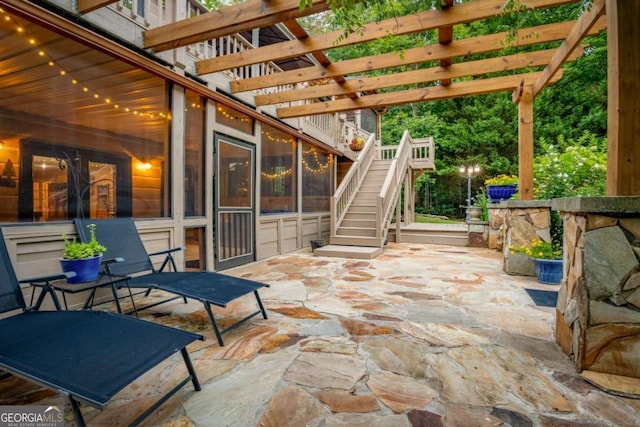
[[58, 183], [194, 155], [109, 119], [194, 258], [233, 118], [317, 178], [278, 178]]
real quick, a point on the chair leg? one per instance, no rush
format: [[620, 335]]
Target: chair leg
[[192, 371], [76, 412], [207, 307], [264, 312], [191, 377]]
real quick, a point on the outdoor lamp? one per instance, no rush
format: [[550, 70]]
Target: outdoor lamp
[[469, 170]]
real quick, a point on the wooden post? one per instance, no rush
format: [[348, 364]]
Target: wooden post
[[525, 143], [623, 47]]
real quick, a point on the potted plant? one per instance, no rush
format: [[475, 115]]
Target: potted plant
[[479, 211], [357, 143], [547, 260], [82, 258], [501, 187]]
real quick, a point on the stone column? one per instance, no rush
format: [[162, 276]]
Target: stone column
[[598, 311], [524, 221]]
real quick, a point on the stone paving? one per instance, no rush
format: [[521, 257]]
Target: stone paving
[[423, 335]]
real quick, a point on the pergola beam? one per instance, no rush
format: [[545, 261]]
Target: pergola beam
[[86, 6], [623, 106], [422, 21], [226, 21], [471, 68], [432, 93], [475, 45], [445, 36], [575, 36]]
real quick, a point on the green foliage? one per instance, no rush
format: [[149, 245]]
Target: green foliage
[[539, 249], [502, 179], [571, 167], [74, 249], [481, 200]]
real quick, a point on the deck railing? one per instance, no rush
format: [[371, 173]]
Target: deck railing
[[345, 193], [388, 197], [422, 150]]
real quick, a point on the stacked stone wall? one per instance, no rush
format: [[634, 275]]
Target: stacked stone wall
[[516, 223], [599, 303], [598, 310]]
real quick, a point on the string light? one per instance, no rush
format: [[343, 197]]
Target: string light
[[32, 41], [272, 138], [277, 175], [320, 167], [221, 109]]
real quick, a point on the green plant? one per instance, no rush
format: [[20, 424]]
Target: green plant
[[74, 249], [538, 249], [502, 180], [482, 200]]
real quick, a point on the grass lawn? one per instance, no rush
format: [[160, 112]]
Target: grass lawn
[[436, 220]]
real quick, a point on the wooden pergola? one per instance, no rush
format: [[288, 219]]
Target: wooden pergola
[[336, 92]]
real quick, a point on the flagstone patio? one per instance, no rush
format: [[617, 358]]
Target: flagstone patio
[[423, 335]]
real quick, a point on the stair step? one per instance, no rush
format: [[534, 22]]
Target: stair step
[[373, 242], [380, 165], [366, 198], [371, 187], [362, 209], [364, 216], [356, 231], [361, 223], [348, 251], [452, 239], [376, 175], [364, 202]]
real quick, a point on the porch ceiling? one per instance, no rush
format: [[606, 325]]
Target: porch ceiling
[[116, 97], [343, 86]]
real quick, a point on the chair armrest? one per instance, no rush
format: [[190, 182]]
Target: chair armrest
[[168, 260], [47, 279], [110, 261], [167, 251]]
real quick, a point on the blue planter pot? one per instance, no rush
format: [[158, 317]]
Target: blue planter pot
[[548, 271], [86, 269], [498, 193]]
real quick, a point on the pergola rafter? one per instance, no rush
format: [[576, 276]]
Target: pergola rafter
[[227, 21], [474, 45], [577, 33], [431, 93], [86, 6], [418, 22], [471, 68]]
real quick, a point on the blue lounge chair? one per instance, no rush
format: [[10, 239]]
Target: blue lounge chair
[[122, 240], [87, 356]]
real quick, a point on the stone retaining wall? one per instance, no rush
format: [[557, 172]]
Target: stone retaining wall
[[598, 310], [518, 222]]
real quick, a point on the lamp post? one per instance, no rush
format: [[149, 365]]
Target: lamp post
[[469, 170]]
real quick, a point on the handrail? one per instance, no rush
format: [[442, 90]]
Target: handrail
[[349, 186], [390, 188]]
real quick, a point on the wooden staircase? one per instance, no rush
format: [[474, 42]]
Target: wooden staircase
[[364, 203], [358, 227]]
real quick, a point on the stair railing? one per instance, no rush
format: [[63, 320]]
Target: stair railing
[[388, 197], [349, 186]]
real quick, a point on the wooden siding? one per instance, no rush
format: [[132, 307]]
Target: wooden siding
[[285, 233], [35, 250]]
